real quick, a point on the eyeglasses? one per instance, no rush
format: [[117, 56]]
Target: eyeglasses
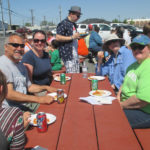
[[37, 41], [135, 47], [78, 16], [16, 45]]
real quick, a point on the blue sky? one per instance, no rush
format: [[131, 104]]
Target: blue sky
[[106, 9]]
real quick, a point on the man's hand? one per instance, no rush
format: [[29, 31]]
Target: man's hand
[[45, 99], [76, 35], [26, 116], [100, 54]]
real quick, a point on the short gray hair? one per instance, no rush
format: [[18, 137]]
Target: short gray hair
[[11, 35]]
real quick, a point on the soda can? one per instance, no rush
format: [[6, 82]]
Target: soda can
[[94, 85], [60, 96], [41, 122], [63, 78]]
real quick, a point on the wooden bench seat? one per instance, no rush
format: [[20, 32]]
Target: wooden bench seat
[[143, 136]]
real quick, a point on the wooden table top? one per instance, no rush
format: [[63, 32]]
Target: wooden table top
[[81, 126]]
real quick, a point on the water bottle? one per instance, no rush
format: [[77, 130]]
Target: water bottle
[[84, 70]]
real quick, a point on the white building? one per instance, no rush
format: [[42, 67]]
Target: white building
[[139, 22]]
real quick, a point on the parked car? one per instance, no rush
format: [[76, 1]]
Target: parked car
[[104, 30], [54, 31], [82, 28], [23, 30], [114, 25], [133, 30]]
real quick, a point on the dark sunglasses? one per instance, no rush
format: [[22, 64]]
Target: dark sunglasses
[[135, 47], [16, 45], [37, 41], [78, 16]]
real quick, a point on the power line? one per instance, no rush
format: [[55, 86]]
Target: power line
[[15, 13]]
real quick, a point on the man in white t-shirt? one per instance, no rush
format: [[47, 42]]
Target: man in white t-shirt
[[17, 76]]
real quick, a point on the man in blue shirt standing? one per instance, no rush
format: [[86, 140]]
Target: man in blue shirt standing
[[115, 67]]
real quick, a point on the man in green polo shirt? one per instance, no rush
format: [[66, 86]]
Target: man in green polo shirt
[[135, 91]]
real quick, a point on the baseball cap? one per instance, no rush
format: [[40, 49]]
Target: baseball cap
[[141, 39], [90, 26]]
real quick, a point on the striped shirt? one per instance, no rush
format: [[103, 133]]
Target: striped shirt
[[11, 124]]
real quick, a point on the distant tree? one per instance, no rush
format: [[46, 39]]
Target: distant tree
[[44, 23], [125, 21], [27, 24], [51, 24], [132, 22], [115, 21]]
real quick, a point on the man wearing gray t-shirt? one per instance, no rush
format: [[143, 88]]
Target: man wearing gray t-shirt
[[18, 82]]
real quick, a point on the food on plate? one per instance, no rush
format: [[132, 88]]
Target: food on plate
[[58, 78], [35, 121], [98, 93], [91, 78], [83, 34], [55, 97]]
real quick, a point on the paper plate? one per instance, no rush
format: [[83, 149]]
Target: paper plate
[[55, 95], [57, 78], [100, 93], [50, 119], [96, 77]]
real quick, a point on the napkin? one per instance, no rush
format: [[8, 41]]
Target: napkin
[[98, 100]]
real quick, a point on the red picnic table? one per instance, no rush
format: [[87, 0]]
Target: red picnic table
[[81, 126]]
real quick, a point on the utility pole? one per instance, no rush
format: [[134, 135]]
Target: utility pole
[[119, 18], [60, 12], [32, 18], [9, 14], [44, 21], [3, 26]]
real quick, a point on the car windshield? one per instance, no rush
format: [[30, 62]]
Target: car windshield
[[132, 27]]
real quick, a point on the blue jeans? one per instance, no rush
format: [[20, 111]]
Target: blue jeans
[[137, 118]]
